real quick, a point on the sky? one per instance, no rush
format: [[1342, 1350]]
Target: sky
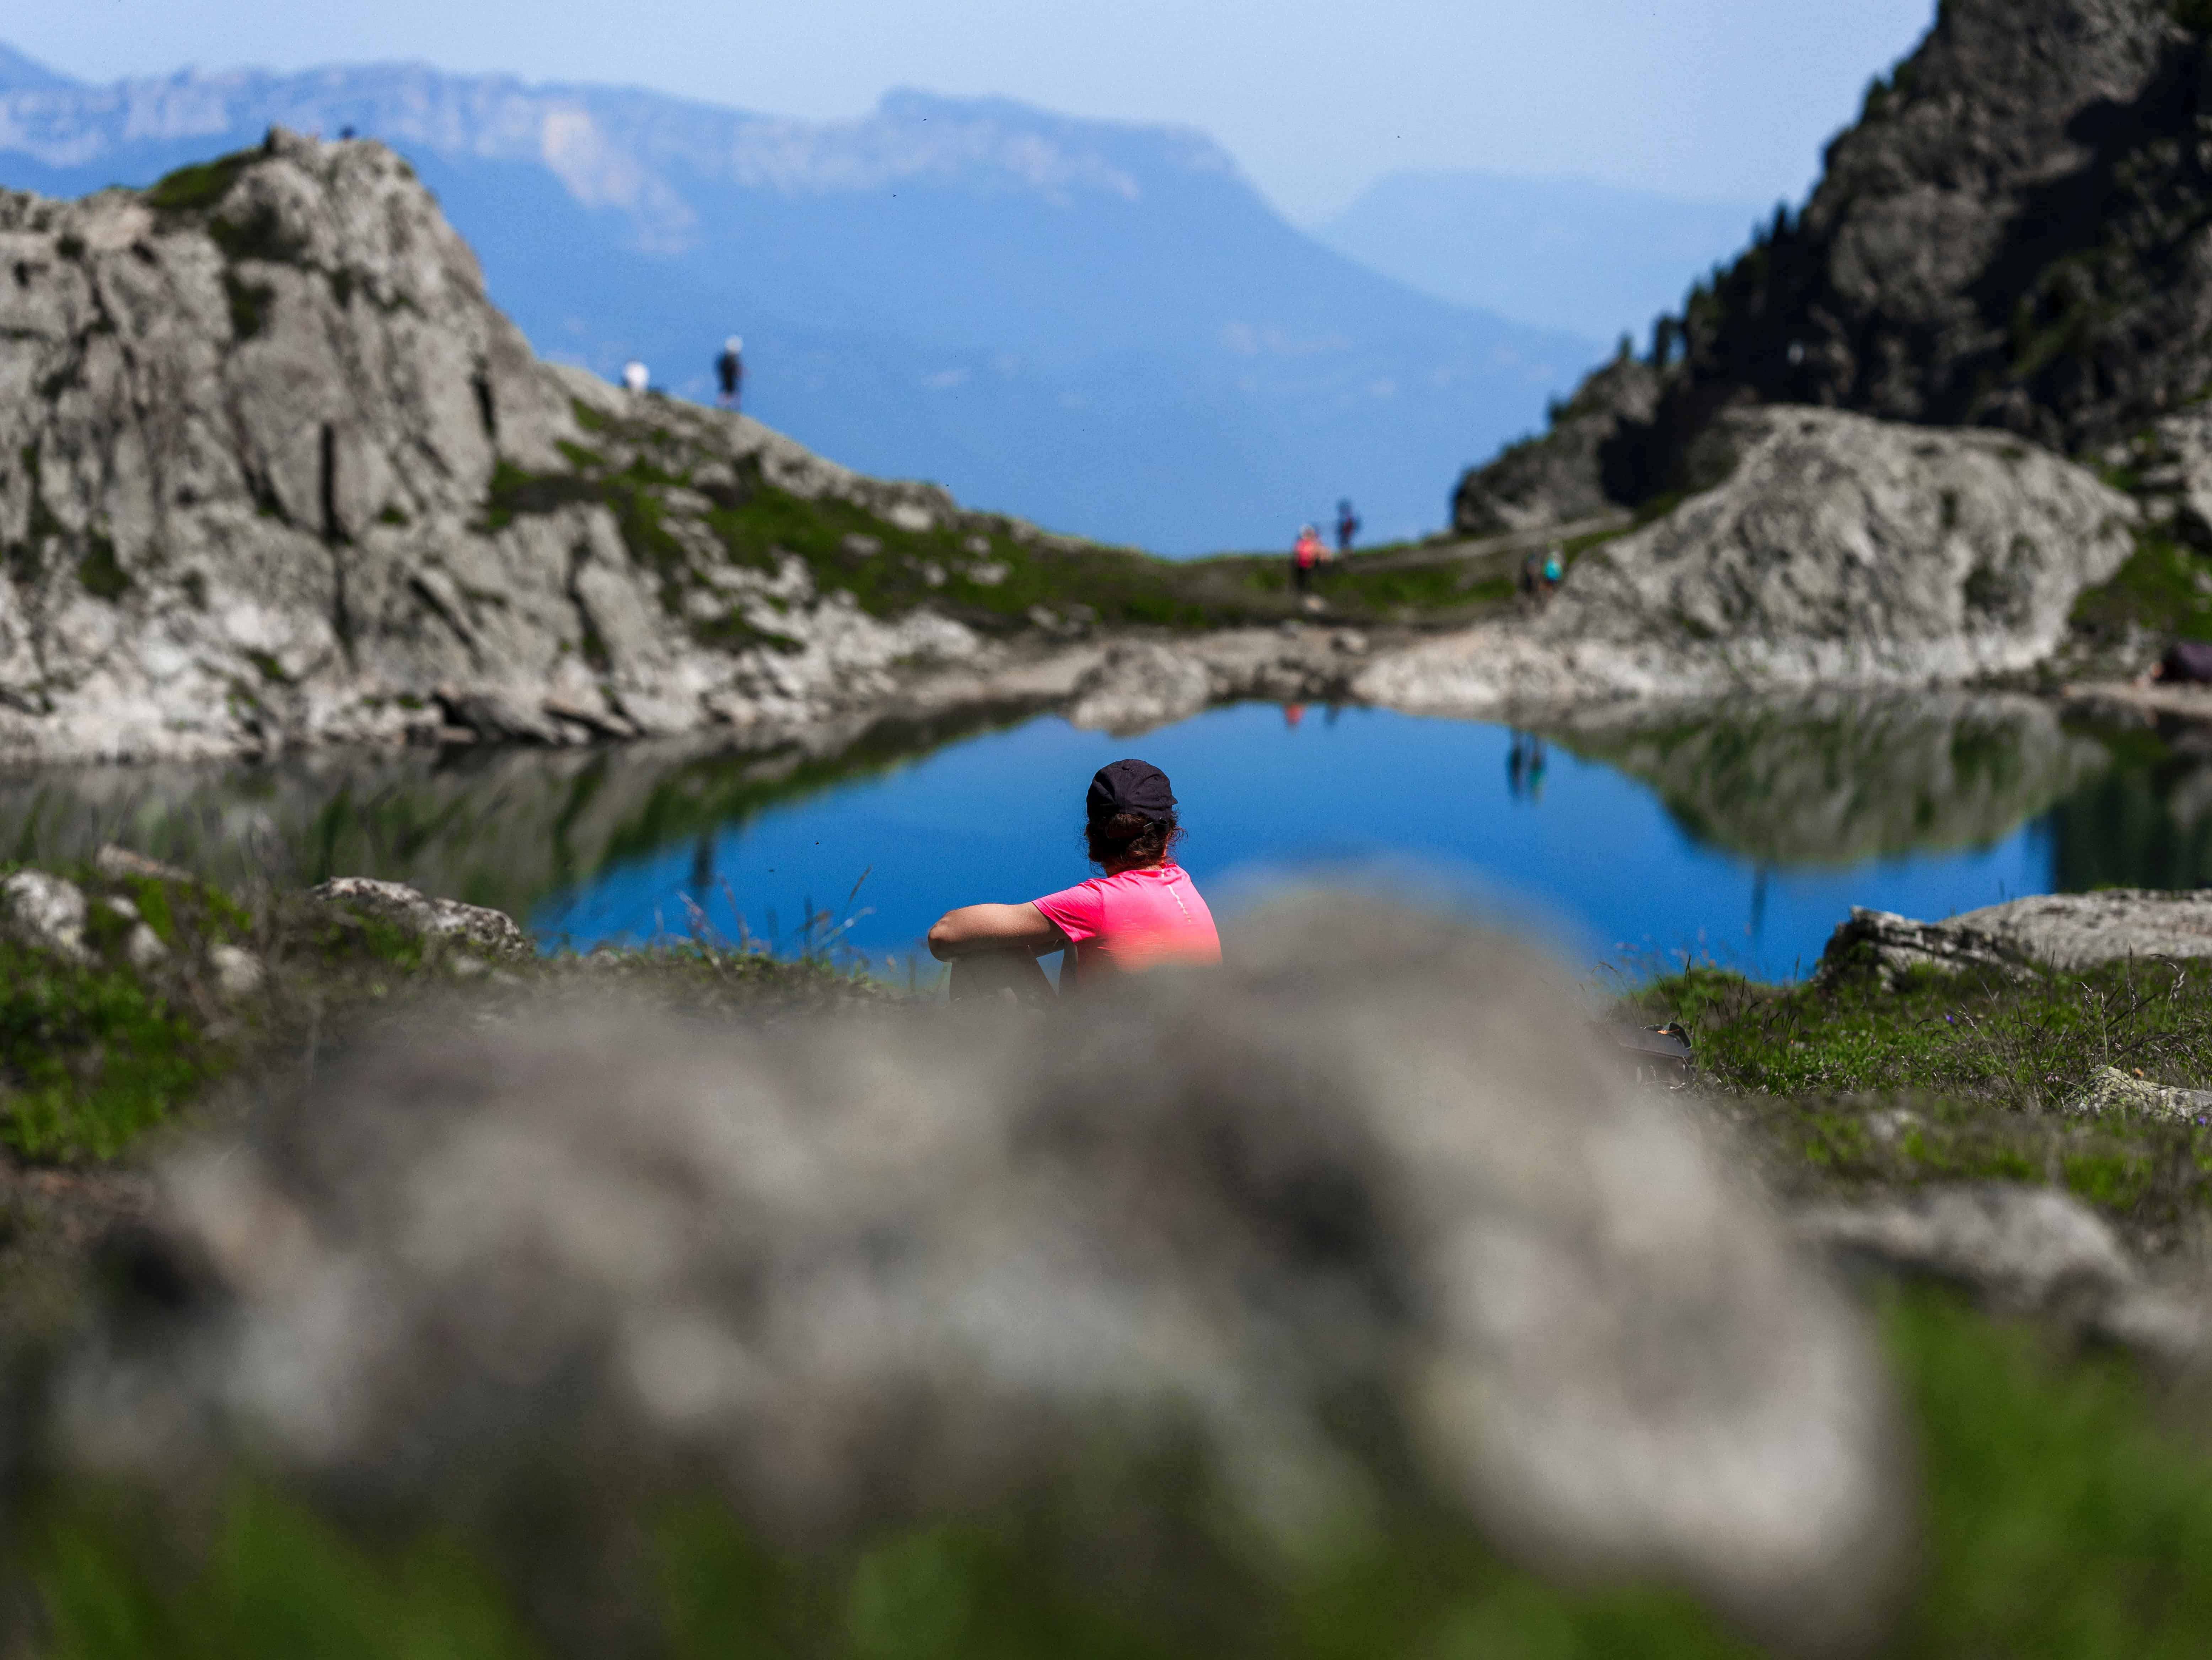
[[1702, 100]]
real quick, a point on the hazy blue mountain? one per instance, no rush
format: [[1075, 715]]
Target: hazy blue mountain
[[1103, 327], [1560, 253], [19, 74]]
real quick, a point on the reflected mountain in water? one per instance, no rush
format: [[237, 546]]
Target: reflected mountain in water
[[2147, 822], [504, 827], [1829, 779]]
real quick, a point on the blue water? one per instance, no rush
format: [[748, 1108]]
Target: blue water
[[1582, 851]]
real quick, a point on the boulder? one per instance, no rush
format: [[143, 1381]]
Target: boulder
[[1890, 945], [278, 472], [2064, 931], [1828, 550], [492, 932], [1367, 1226], [2023, 1250], [2114, 1094], [47, 911]]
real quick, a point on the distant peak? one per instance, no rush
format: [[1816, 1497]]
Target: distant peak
[[21, 74]]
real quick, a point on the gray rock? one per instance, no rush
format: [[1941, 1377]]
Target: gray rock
[[868, 1272], [1140, 685], [1891, 945], [474, 925], [116, 862], [1995, 242], [277, 472], [2065, 931], [238, 971], [2113, 1093], [1836, 550], [2023, 1250], [47, 911]]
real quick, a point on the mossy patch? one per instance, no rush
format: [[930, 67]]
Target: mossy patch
[[2164, 589], [249, 305], [100, 571], [201, 185]]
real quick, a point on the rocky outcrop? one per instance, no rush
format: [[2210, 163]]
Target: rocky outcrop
[[1833, 549], [2067, 932], [879, 1273], [1561, 477], [478, 927], [2114, 1094], [273, 469], [2013, 234]]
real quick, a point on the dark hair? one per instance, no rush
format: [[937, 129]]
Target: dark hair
[[1130, 841]]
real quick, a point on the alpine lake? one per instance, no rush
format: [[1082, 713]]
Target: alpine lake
[[1633, 838]]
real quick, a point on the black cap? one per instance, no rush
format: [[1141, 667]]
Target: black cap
[[1130, 786]]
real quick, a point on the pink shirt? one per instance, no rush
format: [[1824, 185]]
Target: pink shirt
[[1138, 919]]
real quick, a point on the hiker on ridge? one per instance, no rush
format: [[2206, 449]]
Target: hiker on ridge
[[1348, 526], [635, 378], [1143, 912], [1305, 554], [730, 370]]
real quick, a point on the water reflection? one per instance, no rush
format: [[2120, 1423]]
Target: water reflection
[[502, 826], [1836, 778], [2144, 822], [1752, 822]]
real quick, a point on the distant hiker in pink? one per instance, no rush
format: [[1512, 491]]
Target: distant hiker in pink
[[1305, 554], [1143, 912]]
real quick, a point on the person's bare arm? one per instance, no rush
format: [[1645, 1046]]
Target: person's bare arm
[[975, 928]]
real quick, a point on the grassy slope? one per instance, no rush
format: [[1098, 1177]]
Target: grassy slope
[[983, 569], [1962, 1078]]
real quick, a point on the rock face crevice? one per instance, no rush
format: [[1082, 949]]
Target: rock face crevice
[[267, 454]]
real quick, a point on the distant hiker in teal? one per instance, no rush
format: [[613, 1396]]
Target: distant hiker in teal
[[1554, 570], [729, 372]]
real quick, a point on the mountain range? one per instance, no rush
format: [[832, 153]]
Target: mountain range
[[1104, 328]]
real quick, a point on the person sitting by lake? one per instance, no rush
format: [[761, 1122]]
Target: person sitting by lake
[[1143, 912]]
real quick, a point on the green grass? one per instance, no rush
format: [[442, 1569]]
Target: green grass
[[201, 185], [2156, 591], [89, 1057], [2063, 1520], [1960, 1078], [977, 568], [94, 1054]]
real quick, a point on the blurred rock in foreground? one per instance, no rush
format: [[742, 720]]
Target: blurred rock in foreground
[[1355, 1219]]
